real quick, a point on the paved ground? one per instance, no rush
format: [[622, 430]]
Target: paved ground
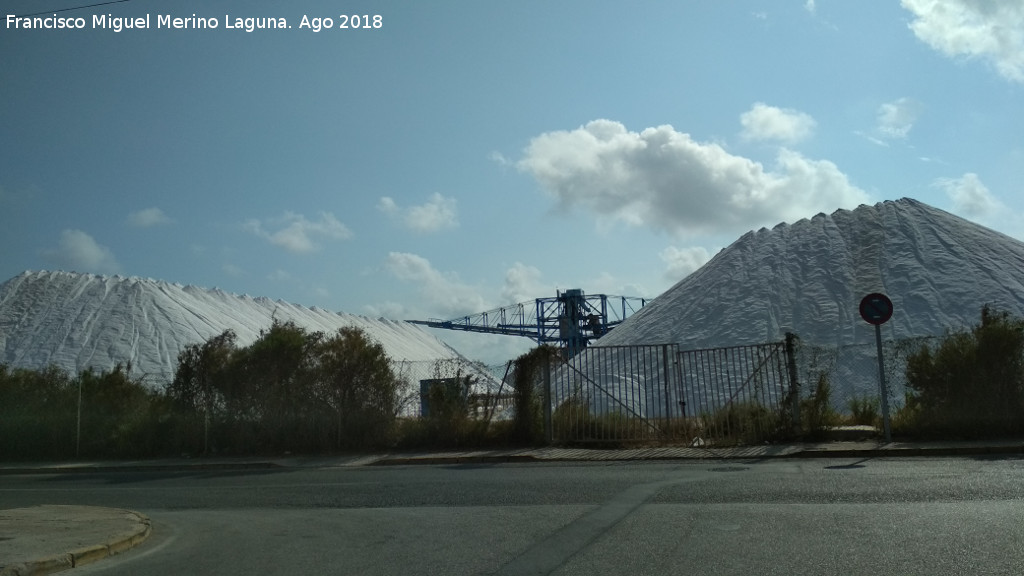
[[46, 539]]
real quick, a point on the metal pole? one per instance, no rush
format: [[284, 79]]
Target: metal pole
[[78, 426], [666, 372], [548, 432], [881, 384], [794, 383]]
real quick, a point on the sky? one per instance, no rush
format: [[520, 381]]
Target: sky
[[439, 159]]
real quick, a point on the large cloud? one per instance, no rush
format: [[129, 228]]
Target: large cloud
[[295, 233], [992, 30], [663, 179], [79, 252]]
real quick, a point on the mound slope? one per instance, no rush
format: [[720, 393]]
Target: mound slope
[[809, 277], [80, 321]]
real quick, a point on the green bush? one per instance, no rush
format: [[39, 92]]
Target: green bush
[[743, 423], [37, 414], [972, 385], [864, 410], [816, 412], [528, 383], [48, 415]]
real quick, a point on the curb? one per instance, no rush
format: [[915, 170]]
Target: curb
[[750, 453], [480, 459], [913, 452], [802, 454], [94, 469], [87, 555]]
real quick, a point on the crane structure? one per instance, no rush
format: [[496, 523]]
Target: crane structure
[[571, 319]]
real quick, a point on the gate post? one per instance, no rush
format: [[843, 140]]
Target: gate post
[[794, 384], [667, 371], [548, 432]]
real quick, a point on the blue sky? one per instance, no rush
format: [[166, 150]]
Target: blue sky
[[467, 155]]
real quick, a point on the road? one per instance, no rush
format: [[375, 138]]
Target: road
[[882, 516]]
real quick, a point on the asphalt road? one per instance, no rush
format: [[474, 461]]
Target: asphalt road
[[882, 516]]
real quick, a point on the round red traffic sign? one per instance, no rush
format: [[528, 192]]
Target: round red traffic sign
[[876, 308]]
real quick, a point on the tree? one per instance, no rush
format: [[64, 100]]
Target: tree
[[197, 394], [528, 374], [37, 413], [355, 380], [196, 385], [114, 412]]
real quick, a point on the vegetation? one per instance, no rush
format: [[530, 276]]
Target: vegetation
[[864, 411], [971, 385], [50, 414], [452, 418], [574, 421], [528, 373], [816, 412], [743, 423], [289, 391]]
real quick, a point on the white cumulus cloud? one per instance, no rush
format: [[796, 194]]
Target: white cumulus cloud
[[295, 233], [444, 294], [990, 30], [388, 309], [681, 262], [763, 122], [148, 218], [896, 118], [522, 283], [438, 213], [665, 180], [79, 252], [971, 198]]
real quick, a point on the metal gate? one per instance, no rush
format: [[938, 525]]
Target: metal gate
[[614, 393], [740, 394]]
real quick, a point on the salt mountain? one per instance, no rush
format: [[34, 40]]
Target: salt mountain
[[809, 277], [80, 321]]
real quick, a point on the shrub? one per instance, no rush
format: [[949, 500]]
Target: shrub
[[864, 410], [816, 412], [743, 423], [528, 422], [972, 385], [37, 414]]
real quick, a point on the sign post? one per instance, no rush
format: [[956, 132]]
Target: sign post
[[876, 309]]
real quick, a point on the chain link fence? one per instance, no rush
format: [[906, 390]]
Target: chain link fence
[[852, 370], [487, 392]]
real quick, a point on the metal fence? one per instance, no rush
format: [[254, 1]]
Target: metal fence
[[852, 370], [659, 393], [710, 397], [739, 394], [487, 382], [614, 393]]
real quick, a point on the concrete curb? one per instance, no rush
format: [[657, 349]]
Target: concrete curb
[[540, 455], [141, 467], [88, 554], [730, 454], [937, 451]]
